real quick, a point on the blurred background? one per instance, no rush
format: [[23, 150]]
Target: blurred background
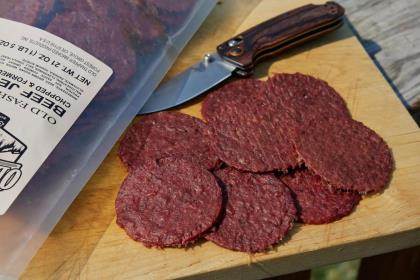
[[341, 271]]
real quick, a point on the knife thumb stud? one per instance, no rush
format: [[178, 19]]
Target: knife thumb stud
[[207, 59]]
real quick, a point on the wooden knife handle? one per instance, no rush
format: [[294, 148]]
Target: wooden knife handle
[[280, 33]]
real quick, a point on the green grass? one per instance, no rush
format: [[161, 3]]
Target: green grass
[[340, 271]]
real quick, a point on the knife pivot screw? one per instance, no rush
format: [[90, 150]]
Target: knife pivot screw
[[234, 42]]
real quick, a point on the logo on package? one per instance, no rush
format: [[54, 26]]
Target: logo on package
[[11, 149]]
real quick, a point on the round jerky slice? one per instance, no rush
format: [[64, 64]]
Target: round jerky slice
[[132, 145], [101, 38], [316, 202], [259, 211], [244, 132], [168, 134], [300, 98], [346, 154], [168, 203]]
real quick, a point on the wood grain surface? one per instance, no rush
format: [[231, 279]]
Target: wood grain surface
[[67, 249], [88, 244], [390, 32]]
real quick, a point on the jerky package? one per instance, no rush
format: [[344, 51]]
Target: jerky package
[[73, 74]]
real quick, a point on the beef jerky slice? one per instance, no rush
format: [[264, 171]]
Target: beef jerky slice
[[168, 203], [245, 135], [101, 38], [168, 134], [132, 16], [346, 154], [259, 211], [300, 98], [317, 202]]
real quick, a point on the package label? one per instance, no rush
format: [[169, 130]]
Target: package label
[[45, 84]]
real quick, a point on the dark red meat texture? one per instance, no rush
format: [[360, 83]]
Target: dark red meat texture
[[168, 134], [98, 7], [346, 153], [259, 212], [245, 133], [132, 145], [168, 203], [25, 11], [316, 201], [132, 16], [101, 38], [300, 98], [139, 22], [173, 14]]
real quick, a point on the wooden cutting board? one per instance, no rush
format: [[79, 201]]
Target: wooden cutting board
[[381, 223]]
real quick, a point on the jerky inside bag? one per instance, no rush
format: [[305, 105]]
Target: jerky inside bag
[[135, 40]]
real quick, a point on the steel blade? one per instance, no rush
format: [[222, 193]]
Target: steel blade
[[189, 84]]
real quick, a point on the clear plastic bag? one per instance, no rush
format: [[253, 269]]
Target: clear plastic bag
[[139, 40]]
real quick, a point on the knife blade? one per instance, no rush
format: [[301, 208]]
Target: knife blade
[[189, 84], [239, 55]]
